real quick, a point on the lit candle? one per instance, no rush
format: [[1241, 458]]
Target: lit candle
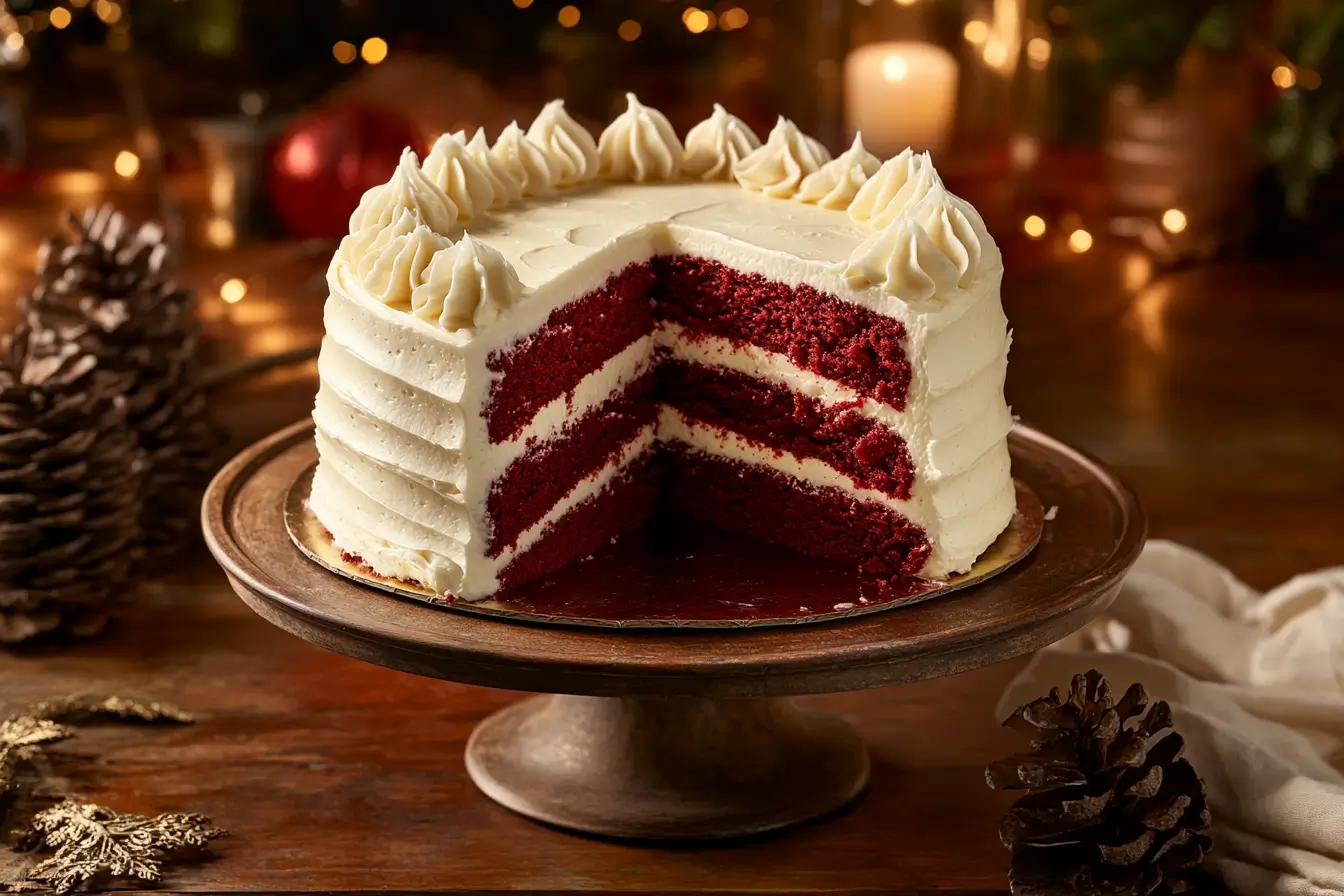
[[899, 95]]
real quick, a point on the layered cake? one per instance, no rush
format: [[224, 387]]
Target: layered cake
[[534, 344]]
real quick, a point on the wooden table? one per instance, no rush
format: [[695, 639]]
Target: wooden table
[[1216, 391]]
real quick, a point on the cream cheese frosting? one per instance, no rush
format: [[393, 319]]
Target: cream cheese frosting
[[717, 144], [934, 247], [534, 169], [387, 261], [777, 167], [409, 189], [569, 143], [466, 284], [640, 145], [453, 170], [835, 184], [417, 307], [504, 189], [900, 180]]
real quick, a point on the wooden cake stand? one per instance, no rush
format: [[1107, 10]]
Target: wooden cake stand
[[676, 733]]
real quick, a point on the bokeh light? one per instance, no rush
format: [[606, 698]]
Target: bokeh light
[[127, 164], [233, 290], [374, 50]]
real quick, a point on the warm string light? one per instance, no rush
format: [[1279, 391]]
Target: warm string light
[[1080, 241], [522, 4], [108, 11], [344, 51], [1034, 226], [629, 30], [698, 20], [233, 290], [1038, 52], [374, 50], [1283, 77], [1174, 220], [60, 17], [127, 164], [568, 16], [976, 32], [733, 19], [219, 233]]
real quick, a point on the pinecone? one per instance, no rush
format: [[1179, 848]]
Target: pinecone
[[103, 290], [1111, 811], [70, 477]]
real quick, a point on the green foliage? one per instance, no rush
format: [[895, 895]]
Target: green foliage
[[1143, 41]]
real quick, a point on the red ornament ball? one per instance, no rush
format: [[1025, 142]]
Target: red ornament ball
[[327, 159]]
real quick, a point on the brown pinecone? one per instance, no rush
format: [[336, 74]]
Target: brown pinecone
[[104, 290], [70, 477], [1111, 811]]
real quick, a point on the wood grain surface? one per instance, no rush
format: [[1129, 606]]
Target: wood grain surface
[[1215, 391]]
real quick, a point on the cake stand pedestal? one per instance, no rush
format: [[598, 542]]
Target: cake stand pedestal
[[676, 733]]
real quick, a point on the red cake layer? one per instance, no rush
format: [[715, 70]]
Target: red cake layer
[[623, 505], [782, 420], [576, 339], [822, 522], [532, 484], [838, 340]]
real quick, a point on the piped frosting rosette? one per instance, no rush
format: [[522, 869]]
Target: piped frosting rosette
[[399, 252], [640, 145], [717, 144], [933, 248], [777, 167]]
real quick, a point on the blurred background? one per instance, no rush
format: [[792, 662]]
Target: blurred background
[[1150, 167], [1194, 127]]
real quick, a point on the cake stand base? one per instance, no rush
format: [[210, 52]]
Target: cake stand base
[[681, 734], [667, 767]]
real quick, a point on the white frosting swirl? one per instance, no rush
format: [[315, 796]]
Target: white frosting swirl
[[534, 169], [467, 284], [901, 180], [504, 189], [452, 169], [639, 145], [717, 144], [778, 166], [569, 143], [937, 246], [387, 261], [408, 189], [835, 184]]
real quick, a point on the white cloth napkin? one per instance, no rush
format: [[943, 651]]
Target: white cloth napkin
[[1256, 687]]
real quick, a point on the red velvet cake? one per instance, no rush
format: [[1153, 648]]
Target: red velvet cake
[[533, 346]]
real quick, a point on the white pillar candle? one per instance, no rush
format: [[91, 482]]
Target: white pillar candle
[[900, 94]]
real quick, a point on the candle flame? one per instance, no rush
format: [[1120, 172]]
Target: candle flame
[[895, 68]]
